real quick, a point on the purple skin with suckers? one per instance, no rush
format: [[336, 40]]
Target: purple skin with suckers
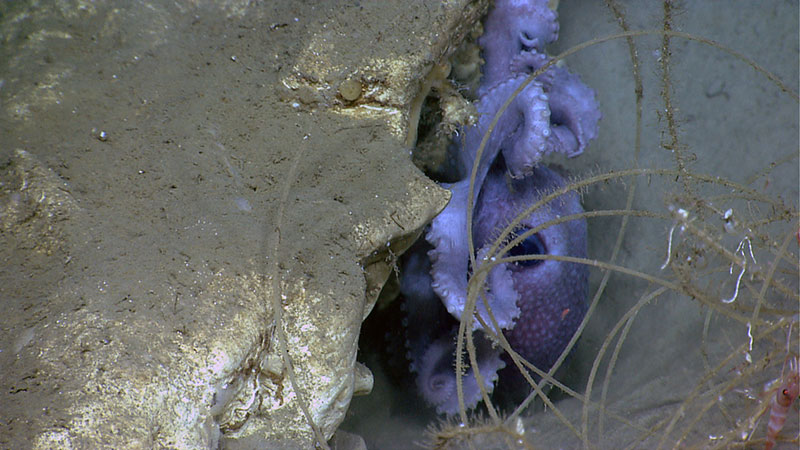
[[538, 304]]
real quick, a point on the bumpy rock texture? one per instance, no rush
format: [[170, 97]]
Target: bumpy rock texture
[[171, 173]]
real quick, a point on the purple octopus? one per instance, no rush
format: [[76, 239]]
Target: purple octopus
[[538, 304]]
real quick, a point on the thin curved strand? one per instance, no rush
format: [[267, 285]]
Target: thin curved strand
[[471, 196], [610, 369], [520, 362], [627, 271], [278, 307], [682, 409], [575, 186], [470, 305], [770, 274], [626, 318], [638, 95], [494, 249]]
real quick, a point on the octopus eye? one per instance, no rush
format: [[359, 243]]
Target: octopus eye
[[532, 245]]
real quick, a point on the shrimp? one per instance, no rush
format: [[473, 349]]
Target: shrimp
[[785, 394]]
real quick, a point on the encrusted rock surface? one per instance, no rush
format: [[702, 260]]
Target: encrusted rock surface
[[171, 173]]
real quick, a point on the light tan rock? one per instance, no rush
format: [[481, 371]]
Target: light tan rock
[[184, 171]]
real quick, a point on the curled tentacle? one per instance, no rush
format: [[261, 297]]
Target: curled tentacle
[[436, 377], [424, 318], [430, 340], [500, 294], [529, 144], [526, 118], [573, 107], [537, 303], [521, 134], [449, 254], [528, 62], [514, 26]]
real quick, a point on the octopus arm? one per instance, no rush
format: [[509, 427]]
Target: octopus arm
[[515, 26], [436, 377], [573, 107]]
